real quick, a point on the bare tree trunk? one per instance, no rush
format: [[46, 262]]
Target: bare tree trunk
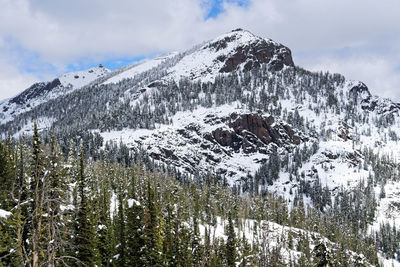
[[51, 238], [20, 245], [37, 220]]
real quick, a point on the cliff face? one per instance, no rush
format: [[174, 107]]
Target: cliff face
[[253, 133], [254, 53]]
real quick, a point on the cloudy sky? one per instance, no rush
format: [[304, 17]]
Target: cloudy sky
[[40, 39]]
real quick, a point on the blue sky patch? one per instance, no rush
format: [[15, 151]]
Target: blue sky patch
[[217, 6], [110, 63]]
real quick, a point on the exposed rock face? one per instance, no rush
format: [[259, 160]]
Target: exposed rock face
[[224, 145], [38, 89], [252, 54], [256, 54], [253, 133], [360, 94]]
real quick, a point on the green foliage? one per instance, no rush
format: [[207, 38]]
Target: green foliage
[[84, 240], [111, 214], [231, 243], [152, 231]]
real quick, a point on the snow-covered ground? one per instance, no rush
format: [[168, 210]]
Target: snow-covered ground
[[190, 148], [139, 68], [42, 124], [276, 236], [69, 82], [78, 79]]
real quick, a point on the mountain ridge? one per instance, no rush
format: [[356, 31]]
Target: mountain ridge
[[237, 108]]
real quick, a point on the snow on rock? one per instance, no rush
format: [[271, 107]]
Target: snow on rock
[[236, 49], [221, 140]]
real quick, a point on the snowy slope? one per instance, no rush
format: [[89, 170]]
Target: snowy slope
[[42, 92], [78, 79], [276, 237], [195, 141], [132, 71]]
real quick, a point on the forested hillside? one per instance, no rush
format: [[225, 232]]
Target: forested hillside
[[67, 209]]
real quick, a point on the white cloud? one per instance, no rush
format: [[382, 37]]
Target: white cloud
[[66, 32], [378, 73], [12, 80]]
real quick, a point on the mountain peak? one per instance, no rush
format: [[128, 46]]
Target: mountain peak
[[235, 50], [237, 30], [250, 50]]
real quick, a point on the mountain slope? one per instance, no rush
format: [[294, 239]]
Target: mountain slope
[[42, 92], [237, 108]]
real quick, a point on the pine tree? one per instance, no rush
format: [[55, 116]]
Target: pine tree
[[196, 245], [231, 243], [55, 197], [84, 232], [37, 187], [121, 227], [320, 255], [135, 216], [7, 242], [245, 251], [6, 175], [105, 233], [168, 240], [152, 231], [22, 215]]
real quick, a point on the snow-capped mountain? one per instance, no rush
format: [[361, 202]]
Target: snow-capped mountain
[[237, 50], [42, 92], [238, 108]]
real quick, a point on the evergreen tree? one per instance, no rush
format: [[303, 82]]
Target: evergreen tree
[[121, 227], [231, 243], [6, 176], [105, 233], [55, 197], [22, 216], [84, 233], [321, 255], [135, 215], [169, 235], [37, 188], [196, 239], [152, 230]]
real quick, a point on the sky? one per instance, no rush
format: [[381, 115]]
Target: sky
[[41, 39]]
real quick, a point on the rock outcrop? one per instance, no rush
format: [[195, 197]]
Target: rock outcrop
[[252, 54], [36, 90], [253, 133]]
